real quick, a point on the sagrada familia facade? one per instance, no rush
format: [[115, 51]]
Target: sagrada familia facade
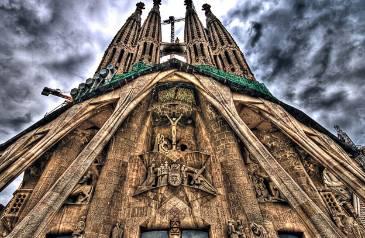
[[191, 149]]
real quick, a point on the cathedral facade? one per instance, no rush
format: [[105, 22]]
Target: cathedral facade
[[191, 149]]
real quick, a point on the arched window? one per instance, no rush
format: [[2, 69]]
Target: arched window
[[111, 56], [228, 57], [151, 51], [195, 51], [221, 59], [202, 49], [144, 49], [120, 57]]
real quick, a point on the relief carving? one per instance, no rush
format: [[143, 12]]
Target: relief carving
[[258, 231], [266, 190], [338, 199], [117, 231], [170, 173], [82, 193], [236, 229], [80, 228], [11, 213]]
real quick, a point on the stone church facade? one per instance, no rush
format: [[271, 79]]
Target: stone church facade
[[191, 149]]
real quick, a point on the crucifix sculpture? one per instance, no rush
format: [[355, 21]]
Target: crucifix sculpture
[[173, 122]]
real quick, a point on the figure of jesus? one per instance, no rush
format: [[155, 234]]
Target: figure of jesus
[[174, 122]]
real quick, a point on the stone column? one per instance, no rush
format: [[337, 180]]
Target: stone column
[[65, 152], [241, 195], [101, 217], [281, 147]]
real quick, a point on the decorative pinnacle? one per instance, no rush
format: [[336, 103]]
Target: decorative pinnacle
[[206, 7], [140, 6], [208, 11], [156, 2], [189, 3]]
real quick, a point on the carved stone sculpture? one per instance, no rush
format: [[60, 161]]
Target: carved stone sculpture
[[80, 228], [83, 190], [258, 231], [266, 190], [236, 229], [339, 201], [175, 174], [117, 231], [174, 122], [161, 144]]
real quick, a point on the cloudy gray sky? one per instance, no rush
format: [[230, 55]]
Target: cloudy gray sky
[[311, 54]]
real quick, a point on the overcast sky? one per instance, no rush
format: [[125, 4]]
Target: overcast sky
[[310, 54]]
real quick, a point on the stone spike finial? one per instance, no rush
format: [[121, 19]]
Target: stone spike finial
[[156, 2], [189, 3], [140, 6], [208, 12], [206, 7]]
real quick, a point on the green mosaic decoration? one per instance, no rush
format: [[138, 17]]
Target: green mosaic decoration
[[234, 81], [136, 68]]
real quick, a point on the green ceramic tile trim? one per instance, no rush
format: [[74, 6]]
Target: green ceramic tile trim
[[235, 82]]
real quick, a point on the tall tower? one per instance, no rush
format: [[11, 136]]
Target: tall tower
[[196, 40], [121, 50], [226, 53], [180, 150], [150, 37]]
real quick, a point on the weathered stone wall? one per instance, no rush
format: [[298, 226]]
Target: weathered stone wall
[[225, 190]]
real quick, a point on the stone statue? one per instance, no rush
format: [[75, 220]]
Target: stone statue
[[80, 228], [117, 231], [161, 144], [199, 181], [175, 174], [266, 190], [258, 231], [83, 190], [232, 229], [331, 180], [174, 122], [151, 177], [236, 229], [184, 175], [163, 174], [240, 229]]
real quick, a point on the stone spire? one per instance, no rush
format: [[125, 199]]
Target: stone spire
[[150, 37], [226, 53], [197, 44], [120, 51]]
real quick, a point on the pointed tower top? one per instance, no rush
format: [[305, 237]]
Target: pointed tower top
[[140, 6], [207, 8], [156, 2], [189, 4]]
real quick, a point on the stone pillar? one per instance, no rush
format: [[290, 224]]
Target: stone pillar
[[241, 195], [65, 152], [281, 147], [101, 218]]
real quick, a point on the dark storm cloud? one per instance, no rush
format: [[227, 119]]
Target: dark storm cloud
[[311, 54], [257, 33], [47, 43]]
